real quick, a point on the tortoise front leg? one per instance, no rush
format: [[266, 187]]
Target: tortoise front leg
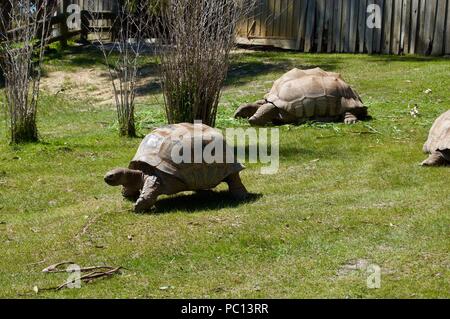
[[236, 187], [350, 118], [248, 110], [130, 193], [149, 194], [435, 159], [266, 114]]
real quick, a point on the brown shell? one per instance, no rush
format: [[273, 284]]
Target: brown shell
[[156, 151], [313, 93], [439, 137]]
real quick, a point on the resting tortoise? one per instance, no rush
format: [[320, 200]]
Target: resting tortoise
[[438, 143], [302, 95], [154, 170]]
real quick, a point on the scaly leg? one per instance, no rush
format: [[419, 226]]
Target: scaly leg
[[149, 194], [237, 189], [265, 114], [435, 159], [130, 193], [248, 110]]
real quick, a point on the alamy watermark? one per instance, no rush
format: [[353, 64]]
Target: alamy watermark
[[74, 278], [251, 145], [74, 18], [374, 19], [374, 278]]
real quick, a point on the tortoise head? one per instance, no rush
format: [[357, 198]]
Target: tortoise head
[[123, 176]]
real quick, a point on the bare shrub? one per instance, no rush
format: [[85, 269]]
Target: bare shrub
[[122, 56], [24, 31], [196, 37]]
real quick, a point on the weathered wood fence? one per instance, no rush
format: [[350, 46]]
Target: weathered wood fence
[[98, 14], [406, 26]]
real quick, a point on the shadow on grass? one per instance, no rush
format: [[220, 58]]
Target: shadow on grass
[[201, 201], [77, 56]]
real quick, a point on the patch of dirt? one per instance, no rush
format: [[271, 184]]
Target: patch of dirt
[[94, 84]]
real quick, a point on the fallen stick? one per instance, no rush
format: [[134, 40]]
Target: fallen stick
[[90, 277], [54, 268]]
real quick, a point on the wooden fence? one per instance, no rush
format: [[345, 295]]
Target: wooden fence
[[98, 14], [407, 26]]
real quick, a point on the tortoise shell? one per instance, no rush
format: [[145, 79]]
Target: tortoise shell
[[157, 151], [314, 93], [439, 137]]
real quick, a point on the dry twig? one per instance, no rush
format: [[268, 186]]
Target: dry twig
[[94, 272]]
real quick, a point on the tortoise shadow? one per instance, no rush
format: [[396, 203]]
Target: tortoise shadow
[[201, 201]]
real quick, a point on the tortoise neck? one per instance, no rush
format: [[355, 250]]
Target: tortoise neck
[[134, 178]]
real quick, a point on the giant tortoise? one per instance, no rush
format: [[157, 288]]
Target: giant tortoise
[[159, 166], [438, 143], [303, 95]]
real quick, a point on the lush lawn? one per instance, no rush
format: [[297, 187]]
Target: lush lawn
[[343, 196]]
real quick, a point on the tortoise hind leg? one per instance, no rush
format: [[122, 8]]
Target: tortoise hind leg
[[248, 110], [236, 187], [435, 159], [149, 195]]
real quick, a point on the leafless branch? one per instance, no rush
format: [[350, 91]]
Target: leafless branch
[[122, 56], [195, 40], [24, 31]]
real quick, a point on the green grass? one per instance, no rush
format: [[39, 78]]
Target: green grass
[[343, 194]]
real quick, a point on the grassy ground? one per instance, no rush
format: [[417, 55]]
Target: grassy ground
[[344, 197]]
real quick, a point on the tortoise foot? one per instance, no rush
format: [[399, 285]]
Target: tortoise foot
[[350, 119], [142, 206], [239, 194]]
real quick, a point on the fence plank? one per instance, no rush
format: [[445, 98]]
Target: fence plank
[[406, 26], [362, 22], [447, 30], [320, 23], [290, 18], [270, 18], [370, 33], [414, 26], [345, 26], [396, 26], [421, 33], [329, 23], [387, 26], [430, 21], [284, 5], [353, 30], [302, 25], [438, 40], [337, 26], [310, 22], [277, 19], [378, 33]]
